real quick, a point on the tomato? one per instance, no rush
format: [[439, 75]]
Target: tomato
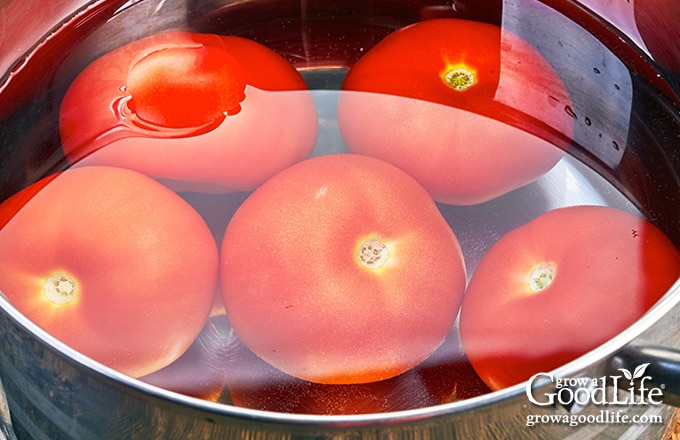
[[560, 286], [199, 112], [110, 262], [452, 100], [159, 80], [341, 269], [657, 21], [444, 377]]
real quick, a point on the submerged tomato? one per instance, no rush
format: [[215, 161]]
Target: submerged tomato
[[560, 286], [443, 377], [200, 112], [341, 269], [111, 263], [468, 109]]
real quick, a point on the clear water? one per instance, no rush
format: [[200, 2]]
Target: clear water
[[446, 376], [609, 104]]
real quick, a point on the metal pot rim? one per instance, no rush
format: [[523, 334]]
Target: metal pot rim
[[669, 301]]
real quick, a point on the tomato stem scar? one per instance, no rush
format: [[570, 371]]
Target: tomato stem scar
[[542, 276], [373, 254], [60, 288], [459, 78]]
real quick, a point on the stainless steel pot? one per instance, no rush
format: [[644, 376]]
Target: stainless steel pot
[[54, 392]]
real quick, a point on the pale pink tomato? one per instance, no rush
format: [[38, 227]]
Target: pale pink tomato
[[110, 262], [341, 269]]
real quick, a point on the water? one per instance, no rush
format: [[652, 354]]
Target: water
[[621, 131], [446, 376]]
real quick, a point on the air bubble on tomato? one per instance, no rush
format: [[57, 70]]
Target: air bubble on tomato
[[450, 100], [559, 286], [341, 269], [111, 263], [199, 112]]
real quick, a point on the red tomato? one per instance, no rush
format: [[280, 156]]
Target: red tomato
[[657, 21], [462, 106], [206, 81], [560, 286], [341, 269], [200, 112], [110, 262], [444, 377]]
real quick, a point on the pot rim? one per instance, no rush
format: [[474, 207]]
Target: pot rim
[[667, 303]]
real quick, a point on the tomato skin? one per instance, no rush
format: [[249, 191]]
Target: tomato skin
[[144, 263], [294, 286], [610, 267], [430, 132], [158, 81], [443, 158], [444, 377], [272, 127]]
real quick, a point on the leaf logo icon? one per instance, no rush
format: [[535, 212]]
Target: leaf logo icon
[[626, 374], [640, 371], [637, 373]]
